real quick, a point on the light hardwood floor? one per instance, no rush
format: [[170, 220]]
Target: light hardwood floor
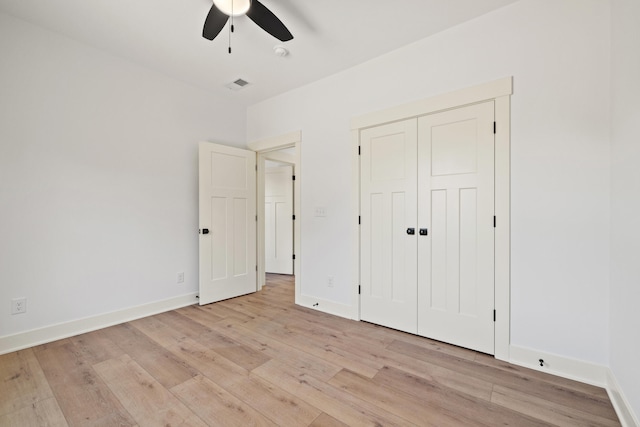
[[260, 360]]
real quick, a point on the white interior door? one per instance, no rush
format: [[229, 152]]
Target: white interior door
[[227, 210], [388, 209], [456, 206], [278, 219]]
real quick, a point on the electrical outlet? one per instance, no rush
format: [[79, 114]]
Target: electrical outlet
[[180, 277], [18, 305], [330, 281]]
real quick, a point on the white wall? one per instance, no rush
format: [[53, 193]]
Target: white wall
[[98, 178], [625, 199], [558, 53]]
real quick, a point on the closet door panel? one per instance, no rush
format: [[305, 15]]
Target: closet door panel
[[456, 205], [388, 210]]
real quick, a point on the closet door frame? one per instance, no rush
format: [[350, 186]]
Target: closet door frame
[[500, 92]]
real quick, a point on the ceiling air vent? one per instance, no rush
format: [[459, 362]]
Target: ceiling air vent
[[237, 84]]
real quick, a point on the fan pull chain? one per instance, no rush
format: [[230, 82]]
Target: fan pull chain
[[231, 29]]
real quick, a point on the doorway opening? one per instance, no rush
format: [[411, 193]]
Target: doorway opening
[[278, 216], [284, 149]]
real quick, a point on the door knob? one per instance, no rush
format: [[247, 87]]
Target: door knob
[[411, 231], [424, 232]]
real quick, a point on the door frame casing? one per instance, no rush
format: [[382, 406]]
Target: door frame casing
[[263, 148], [500, 92]]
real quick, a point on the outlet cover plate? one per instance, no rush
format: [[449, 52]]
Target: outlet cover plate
[[18, 305]]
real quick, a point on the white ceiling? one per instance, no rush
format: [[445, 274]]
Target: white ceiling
[[329, 36]]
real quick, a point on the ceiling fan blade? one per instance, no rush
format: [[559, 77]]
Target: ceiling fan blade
[[214, 23], [268, 21]]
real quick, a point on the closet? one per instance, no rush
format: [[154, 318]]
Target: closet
[[427, 225]]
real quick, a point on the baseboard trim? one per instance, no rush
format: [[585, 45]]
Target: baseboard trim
[[326, 306], [578, 370], [620, 402], [22, 340], [566, 367]]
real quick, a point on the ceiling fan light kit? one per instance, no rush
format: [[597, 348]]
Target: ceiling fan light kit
[[223, 9], [233, 7]]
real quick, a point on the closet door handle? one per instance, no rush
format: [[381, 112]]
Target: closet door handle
[[424, 232], [411, 231], [205, 231]]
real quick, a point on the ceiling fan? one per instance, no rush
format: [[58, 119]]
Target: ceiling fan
[[256, 11]]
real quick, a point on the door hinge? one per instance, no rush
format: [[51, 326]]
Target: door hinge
[[293, 177], [256, 167], [256, 268], [358, 150], [494, 127], [359, 289], [359, 220], [494, 315], [256, 217], [494, 221], [294, 256], [293, 217]]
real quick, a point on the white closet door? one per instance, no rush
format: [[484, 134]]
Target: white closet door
[[456, 206], [278, 220], [228, 214], [388, 209]]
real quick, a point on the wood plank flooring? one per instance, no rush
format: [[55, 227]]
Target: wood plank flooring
[[259, 360]]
